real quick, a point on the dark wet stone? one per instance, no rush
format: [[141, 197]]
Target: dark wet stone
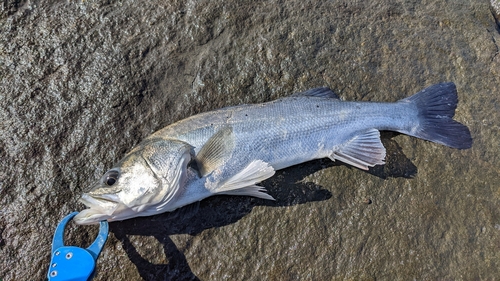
[[82, 82]]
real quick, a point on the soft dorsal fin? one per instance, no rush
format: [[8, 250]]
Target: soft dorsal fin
[[362, 151], [322, 92], [216, 151]]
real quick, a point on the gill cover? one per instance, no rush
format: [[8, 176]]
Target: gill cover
[[168, 160], [141, 184]]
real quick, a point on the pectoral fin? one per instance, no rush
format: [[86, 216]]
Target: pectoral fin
[[216, 151], [243, 183], [362, 151]]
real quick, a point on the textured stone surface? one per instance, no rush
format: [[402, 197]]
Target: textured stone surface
[[495, 4], [83, 81]]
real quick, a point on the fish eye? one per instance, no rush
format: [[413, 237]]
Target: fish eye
[[111, 177]]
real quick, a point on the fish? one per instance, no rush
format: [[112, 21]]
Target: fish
[[230, 150]]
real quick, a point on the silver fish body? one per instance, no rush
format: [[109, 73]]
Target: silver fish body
[[292, 130], [237, 147]]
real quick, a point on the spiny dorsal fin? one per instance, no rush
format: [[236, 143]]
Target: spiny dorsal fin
[[216, 151], [322, 92], [362, 151], [243, 183]]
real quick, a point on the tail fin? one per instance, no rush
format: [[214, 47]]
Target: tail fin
[[436, 106]]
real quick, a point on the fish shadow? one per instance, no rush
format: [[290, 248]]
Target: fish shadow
[[216, 211], [286, 186]]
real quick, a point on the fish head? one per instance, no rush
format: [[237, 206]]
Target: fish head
[[141, 184]]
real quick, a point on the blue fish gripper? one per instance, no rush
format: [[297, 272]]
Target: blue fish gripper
[[70, 263]]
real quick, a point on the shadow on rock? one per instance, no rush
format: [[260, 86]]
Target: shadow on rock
[[286, 186], [212, 212], [176, 269], [216, 211], [397, 165]]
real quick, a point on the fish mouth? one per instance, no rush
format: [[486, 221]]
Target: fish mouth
[[100, 207]]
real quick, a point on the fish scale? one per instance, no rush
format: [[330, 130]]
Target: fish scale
[[305, 119], [230, 150]]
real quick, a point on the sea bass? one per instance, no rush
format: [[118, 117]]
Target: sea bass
[[230, 150]]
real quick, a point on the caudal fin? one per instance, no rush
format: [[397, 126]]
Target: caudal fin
[[436, 106]]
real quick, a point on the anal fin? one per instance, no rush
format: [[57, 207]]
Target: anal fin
[[362, 151], [243, 183]]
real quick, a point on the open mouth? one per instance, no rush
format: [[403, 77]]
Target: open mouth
[[100, 207], [105, 203]]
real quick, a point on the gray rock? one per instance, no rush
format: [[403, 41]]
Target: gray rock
[[495, 4], [82, 82]]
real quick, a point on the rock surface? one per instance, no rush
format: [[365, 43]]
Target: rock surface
[[82, 82]]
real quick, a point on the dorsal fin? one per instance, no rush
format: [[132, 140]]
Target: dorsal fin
[[216, 151], [322, 92]]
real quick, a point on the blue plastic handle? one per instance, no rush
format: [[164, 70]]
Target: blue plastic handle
[[70, 263]]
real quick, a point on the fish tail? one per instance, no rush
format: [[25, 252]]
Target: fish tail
[[436, 107]]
